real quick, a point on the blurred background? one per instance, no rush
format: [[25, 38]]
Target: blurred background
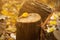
[[11, 10]]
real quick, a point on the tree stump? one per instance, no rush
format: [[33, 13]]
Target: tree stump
[[27, 28]]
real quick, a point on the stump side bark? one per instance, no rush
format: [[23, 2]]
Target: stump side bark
[[28, 30]]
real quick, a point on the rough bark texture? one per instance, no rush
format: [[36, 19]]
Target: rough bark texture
[[28, 31]]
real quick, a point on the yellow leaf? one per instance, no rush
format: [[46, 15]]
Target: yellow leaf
[[4, 12], [53, 22], [25, 14]]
